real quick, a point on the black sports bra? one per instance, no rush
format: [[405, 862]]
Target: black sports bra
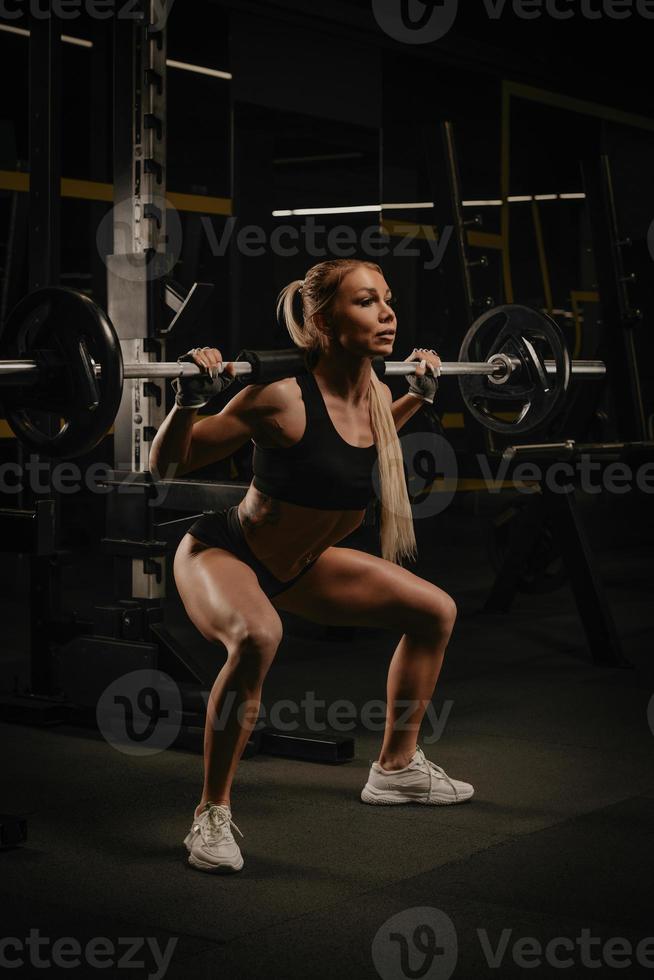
[[321, 470]]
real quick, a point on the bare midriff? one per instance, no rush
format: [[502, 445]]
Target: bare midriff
[[286, 537]]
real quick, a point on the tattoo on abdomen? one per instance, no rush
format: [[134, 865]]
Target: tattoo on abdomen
[[263, 510]]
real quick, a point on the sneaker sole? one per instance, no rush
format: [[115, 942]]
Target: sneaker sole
[[380, 797], [218, 869], [215, 868]]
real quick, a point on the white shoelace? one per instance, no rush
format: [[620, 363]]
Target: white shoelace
[[218, 824], [431, 769]]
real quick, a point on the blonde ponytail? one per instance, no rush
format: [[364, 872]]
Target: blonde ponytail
[[317, 292], [285, 302], [398, 539]]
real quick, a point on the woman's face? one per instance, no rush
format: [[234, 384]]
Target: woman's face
[[362, 320]]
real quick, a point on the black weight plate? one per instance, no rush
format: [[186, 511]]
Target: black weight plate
[[531, 396], [63, 330]]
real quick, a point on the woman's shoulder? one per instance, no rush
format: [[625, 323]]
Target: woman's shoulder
[[272, 393], [279, 411], [277, 394]]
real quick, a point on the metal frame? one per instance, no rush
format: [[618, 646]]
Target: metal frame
[[135, 271], [592, 605], [618, 342], [44, 249], [617, 316]]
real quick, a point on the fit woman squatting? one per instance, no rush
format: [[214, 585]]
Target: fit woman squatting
[[317, 438]]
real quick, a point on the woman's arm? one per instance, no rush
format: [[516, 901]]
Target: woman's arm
[[184, 444], [404, 409], [171, 445]]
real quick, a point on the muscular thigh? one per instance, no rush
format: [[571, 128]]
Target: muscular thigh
[[222, 595], [346, 587]]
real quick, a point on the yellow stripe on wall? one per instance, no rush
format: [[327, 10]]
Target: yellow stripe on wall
[[93, 190], [485, 239], [201, 204], [476, 239], [468, 485], [13, 181], [86, 190], [401, 229]]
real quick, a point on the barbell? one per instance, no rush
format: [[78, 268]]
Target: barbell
[[63, 357]]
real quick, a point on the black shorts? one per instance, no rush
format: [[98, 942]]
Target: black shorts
[[222, 529]]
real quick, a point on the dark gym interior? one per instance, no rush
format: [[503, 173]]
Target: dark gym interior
[[166, 169]]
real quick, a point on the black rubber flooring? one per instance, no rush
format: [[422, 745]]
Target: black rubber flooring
[[556, 845]]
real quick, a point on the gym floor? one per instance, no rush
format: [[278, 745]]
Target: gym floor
[[557, 839]]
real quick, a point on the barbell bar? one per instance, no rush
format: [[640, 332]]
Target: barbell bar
[[60, 355], [20, 373]]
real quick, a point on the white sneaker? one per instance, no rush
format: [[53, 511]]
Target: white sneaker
[[210, 842], [420, 782]]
